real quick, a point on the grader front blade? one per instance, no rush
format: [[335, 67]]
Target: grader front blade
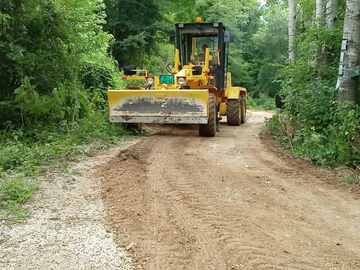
[[159, 106]]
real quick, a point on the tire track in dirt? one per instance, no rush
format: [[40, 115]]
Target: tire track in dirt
[[228, 225], [230, 202]]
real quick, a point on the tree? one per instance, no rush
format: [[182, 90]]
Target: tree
[[46, 47], [348, 79], [320, 13], [320, 21], [242, 19], [331, 13], [134, 25], [271, 43], [292, 29]]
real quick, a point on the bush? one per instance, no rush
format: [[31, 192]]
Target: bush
[[55, 64], [67, 102], [10, 115], [14, 193], [17, 191], [26, 153], [25, 150], [318, 127], [262, 102], [97, 80]]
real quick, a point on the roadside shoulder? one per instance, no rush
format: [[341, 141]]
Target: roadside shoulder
[[66, 229]]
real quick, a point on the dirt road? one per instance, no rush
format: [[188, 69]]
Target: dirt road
[[179, 201]]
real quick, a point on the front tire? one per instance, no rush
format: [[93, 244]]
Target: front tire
[[209, 129], [233, 113]]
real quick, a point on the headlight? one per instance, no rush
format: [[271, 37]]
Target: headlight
[[182, 81]]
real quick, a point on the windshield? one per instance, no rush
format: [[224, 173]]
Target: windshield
[[193, 48], [199, 46]]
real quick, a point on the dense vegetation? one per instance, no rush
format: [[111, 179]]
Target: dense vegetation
[[54, 71], [58, 57], [317, 123]]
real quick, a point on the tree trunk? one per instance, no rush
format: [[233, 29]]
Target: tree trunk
[[292, 29], [348, 79], [320, 23], [331, 13], [320, 13]]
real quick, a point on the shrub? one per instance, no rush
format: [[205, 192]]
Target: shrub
[[262, 102], [322, 129], [14, 193], [54, 60]]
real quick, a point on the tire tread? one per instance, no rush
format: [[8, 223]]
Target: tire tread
[[209, 129]]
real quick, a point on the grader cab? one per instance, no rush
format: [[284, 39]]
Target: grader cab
[[197, 90]]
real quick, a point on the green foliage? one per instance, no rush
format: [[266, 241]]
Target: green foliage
[[51, 53], [26, 150], [145, 42], [323, 130], [14, 193], [313, 124], [157, 63], [25, 49], [55, 68], [263, 102], [65, 102], [134, 26], [26, 153], [271, 46], [353, 179], [16, 190], [242, 19]]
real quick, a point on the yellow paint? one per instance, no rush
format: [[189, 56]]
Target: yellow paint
[[223, 108], [193, 49], [199, 20], [177, 61], [232, 92], [134, 78], [228, 79], [115, 97], [243, 91], [207, 62]]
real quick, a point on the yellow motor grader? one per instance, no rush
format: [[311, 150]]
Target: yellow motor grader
[[197, 90]]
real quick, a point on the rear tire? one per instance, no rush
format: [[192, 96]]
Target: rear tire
[[243, 110], [209, 129], [233, 113]]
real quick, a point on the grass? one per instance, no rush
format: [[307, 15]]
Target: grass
[[263, 102], [311, 148], [13, 194], [353, 179], [26, 154]]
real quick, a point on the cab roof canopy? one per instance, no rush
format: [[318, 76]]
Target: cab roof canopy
[[206, 29]]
